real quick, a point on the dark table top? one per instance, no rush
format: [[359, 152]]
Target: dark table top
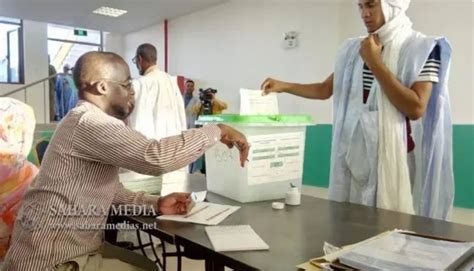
[[298, 233]]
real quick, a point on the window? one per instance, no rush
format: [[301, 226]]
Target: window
[[11, 51], [66, 44]]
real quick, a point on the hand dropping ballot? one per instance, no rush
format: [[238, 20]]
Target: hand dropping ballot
[[201, 212], [253, 103]]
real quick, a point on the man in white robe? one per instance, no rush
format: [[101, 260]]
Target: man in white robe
[[392, 126]]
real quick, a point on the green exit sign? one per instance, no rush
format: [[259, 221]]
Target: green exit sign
[[80, 32]]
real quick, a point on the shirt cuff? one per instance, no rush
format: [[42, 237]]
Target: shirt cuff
[[428, 78], [151, 202], [212, 132]]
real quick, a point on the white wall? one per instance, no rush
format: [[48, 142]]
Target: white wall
[[36, 68], [113, 42], [238, 44], [154, 35]]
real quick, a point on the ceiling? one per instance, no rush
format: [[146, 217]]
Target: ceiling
[[141, 13]]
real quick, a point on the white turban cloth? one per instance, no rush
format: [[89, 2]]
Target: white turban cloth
[[393, 8]]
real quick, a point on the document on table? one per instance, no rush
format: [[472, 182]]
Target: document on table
[[253, 103], [204, 213], [235, 238], [398, 251]]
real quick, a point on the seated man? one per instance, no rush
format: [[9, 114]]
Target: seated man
[[80, 172]]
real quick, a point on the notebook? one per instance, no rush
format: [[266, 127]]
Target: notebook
[[235, 238]]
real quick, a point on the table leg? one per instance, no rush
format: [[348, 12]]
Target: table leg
[[213, 266]]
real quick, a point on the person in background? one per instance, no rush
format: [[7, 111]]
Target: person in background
[[17, 125], [208, 105], [392, 132], [190, 101], [80, 170], [217, 106], [52, 92], [159, 110], [66, 93]]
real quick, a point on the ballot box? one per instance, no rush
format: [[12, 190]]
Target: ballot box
[[275, 159]]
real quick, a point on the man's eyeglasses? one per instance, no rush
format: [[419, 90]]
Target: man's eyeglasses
[[127, 84]]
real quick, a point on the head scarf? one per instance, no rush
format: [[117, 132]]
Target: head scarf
[[17, 125], [393, 8]]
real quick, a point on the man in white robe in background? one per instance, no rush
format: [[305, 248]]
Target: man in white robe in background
[[159, 112]]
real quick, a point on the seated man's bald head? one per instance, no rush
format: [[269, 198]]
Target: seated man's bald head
[[103, 79], [93, 66]]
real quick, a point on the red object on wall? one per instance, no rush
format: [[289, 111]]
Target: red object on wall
[[166, 45], [181, 79], [181, 83]]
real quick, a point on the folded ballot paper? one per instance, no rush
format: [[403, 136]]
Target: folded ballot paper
[[253, 103], [201, 212], [397, 250]]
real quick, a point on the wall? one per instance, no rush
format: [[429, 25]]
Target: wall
[[153, 35], [238, 44], [36, 68], [114, 42]]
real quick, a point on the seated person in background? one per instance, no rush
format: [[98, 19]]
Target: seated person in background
[[80, 171], [17, 126]]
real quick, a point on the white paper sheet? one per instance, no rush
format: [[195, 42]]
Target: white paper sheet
[[253, 103], [235, 238], [204, 213]]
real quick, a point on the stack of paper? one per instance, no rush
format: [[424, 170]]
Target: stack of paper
[[204, 213], [398, 251], [235, 238]]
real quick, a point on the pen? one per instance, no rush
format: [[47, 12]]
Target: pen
[[197, 211], [223, 211]]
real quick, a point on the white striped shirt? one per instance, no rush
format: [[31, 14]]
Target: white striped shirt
[[80, 168]]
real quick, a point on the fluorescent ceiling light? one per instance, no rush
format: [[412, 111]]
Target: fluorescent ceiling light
[[112, 12]]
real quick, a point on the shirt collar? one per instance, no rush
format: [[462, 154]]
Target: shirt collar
[[151, 69]]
